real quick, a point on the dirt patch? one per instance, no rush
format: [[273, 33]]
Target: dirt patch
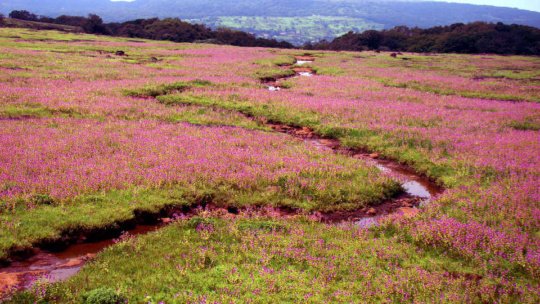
[[8, 282], [299, 70]]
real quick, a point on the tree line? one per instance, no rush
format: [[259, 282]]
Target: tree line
[[172, 29], [471, 38]]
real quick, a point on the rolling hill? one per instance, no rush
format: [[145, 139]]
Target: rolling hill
[[295, 21]]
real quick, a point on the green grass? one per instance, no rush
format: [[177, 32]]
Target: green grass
[[525, 125], [274, 68], [282, 60], [157, 90], [34, 110], [269, 74], [331, 71], [272, 261]]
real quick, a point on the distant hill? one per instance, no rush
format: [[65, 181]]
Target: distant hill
[[8, 22], [296, 21]]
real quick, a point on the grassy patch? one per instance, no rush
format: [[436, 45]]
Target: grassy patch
[[271, 74], [274, 261], [331, 71], [157, 90], [28, 110], [525, 125], [282, 60], [34, 110]]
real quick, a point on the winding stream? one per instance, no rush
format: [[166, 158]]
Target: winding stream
[[299, 69], [58, 266]]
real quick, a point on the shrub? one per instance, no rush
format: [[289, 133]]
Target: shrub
[[42, 199], [262, 225], [103, 296], [197, 221], [94, 25], [526, 125]]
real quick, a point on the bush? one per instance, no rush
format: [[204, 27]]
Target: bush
[[198, 221], [474, 38], [23, 15], [103, 296], [42, 199], [94, 25], [269, 226]]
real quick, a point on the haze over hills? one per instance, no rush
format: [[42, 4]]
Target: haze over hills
[[295, 21]]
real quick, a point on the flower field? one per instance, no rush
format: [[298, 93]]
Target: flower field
[[91, 137]]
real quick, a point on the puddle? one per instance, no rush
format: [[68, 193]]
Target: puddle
[[56, 266], [274, 88], [304, 62]]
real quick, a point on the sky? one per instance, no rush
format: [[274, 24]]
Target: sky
[[532, 5]]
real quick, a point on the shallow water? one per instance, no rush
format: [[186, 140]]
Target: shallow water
[[56, 266], [303, 62]]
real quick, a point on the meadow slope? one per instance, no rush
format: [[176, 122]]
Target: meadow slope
[[92, 136]]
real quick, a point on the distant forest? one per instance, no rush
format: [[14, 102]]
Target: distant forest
[[172, 29], [471, 38]]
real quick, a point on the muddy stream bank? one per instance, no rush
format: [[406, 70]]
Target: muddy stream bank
[[57, 261]]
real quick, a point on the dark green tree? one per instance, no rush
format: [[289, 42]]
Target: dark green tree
[[94, 25]]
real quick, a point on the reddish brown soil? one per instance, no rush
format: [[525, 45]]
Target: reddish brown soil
[[298, 70]]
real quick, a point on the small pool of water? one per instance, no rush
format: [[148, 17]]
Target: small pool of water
[[303, 62]]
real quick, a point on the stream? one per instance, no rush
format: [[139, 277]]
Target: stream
[[61, 265]]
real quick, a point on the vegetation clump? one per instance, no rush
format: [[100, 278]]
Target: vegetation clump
[[158, 90], [472, 38], [103, 296]]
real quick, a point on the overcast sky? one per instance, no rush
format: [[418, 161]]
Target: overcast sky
[[532, 5]]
